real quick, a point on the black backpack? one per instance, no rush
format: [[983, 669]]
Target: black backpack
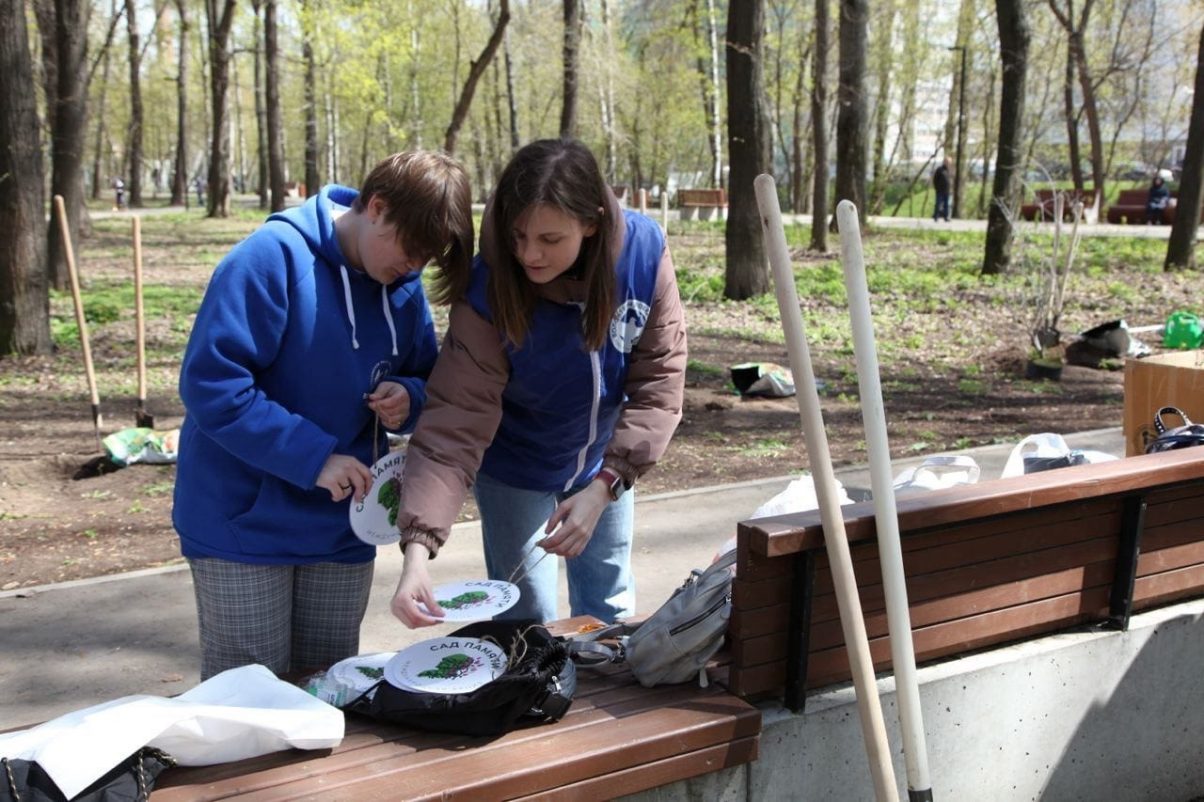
[[538, 686], [1189, 434]]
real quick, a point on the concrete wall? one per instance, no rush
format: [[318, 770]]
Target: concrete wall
[[1084, 715]]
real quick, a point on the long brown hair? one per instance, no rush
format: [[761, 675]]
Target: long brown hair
[[563, 174]]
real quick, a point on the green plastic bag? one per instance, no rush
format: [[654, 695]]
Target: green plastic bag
[[1183, 330], [142, 445]]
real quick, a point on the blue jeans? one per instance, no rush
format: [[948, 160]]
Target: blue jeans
[[600, 580]]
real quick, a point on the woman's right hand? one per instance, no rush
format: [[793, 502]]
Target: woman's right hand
[[414, 587]]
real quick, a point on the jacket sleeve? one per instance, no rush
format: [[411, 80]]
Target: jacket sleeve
[[463, 410], [237, 334], [656, 379], [419, 361]]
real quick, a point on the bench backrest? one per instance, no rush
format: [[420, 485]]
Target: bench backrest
[[702, 197], [1132, 197], [986, 564]]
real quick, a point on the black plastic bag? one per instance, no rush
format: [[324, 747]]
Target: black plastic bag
[[130, 781]]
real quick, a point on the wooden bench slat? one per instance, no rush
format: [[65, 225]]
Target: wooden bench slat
[[789, 534], [661, 772]]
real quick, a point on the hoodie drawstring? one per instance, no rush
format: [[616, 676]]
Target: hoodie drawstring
[[384, 304], [351, 308]]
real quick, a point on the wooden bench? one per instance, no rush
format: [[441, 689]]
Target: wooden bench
[[986, 564], [1130, 207], [617, 738], [1042, 207], [702, 204]]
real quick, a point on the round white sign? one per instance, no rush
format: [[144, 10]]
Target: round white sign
[[474, 600], [374, 520], [361, 672], [446, 665]]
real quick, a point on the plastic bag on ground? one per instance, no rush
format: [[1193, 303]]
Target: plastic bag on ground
[[937, 473], [1046, 451]]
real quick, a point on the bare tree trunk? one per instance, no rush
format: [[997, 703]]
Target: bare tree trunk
[[988, 126], [102, 133], [572, 67], [179, 176], [475, 71], [1072, 122], [332, 129], [220, 21], [312, 179], [797, 139], [64, 26], [884, 64], [24, 284], [819, 130], [1180, 251], [261, 121], [851, 114], [1077, 56], [965, 29], [748, 150], [1013, 48], [713, 119], [134, 134], [912, 42], [608, 94], [416, 124], [511, 101], [272, 101]]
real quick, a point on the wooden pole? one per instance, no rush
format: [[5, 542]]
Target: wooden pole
[[886, 517], [141, 416], [835, 539], [60, 211]]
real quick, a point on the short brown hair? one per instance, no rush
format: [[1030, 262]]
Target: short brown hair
[[427, 195]]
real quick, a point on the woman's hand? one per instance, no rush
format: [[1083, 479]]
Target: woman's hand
[[414, 587], [391, 401], [572, 525], [343, 476]]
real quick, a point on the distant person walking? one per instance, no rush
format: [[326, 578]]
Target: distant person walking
[[1157, 201], [118, 194], [199, 183], [940, 185]]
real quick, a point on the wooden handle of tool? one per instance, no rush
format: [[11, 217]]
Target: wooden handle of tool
[[139, 318], [835, 539], [60, 211]]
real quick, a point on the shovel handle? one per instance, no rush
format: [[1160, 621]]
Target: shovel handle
[[139, 317], [60, 211]]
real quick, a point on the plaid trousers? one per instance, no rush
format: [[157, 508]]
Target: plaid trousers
[[285, 617]]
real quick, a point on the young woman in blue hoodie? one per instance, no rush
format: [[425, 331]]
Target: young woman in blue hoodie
[[311, 329], [559, 384]]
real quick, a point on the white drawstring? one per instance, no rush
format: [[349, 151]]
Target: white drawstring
[[384, 303], [351, 309]]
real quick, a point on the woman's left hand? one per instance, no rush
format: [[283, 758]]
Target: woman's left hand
[[572, 525], [391, 401]]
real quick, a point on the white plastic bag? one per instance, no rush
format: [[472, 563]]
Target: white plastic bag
[[241, 713], [1037, 448], [938, 472]]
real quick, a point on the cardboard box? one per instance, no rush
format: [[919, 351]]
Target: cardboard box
[[1169, 380]]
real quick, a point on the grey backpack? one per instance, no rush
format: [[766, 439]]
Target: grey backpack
[[673, 644]]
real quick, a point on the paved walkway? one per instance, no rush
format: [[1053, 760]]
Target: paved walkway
[[76, 644]]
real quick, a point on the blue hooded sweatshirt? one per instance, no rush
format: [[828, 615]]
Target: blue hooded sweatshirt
[[287, 341]]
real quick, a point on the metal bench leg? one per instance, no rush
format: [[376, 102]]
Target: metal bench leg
[[1132, 522], [798, 637]]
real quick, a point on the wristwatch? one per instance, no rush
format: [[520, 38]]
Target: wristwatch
[[613, 481]]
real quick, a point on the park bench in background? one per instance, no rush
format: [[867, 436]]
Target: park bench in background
[[986, 564], [618, 738], [1042, 207], [1130, 207], [702, 204], [621, 194]]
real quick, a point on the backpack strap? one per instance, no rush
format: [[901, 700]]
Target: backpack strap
[[588, 650]]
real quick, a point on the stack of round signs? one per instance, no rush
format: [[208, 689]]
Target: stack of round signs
[[446, 665], [474, 599]]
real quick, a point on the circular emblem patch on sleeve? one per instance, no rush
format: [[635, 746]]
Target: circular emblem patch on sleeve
[[627, 325]]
